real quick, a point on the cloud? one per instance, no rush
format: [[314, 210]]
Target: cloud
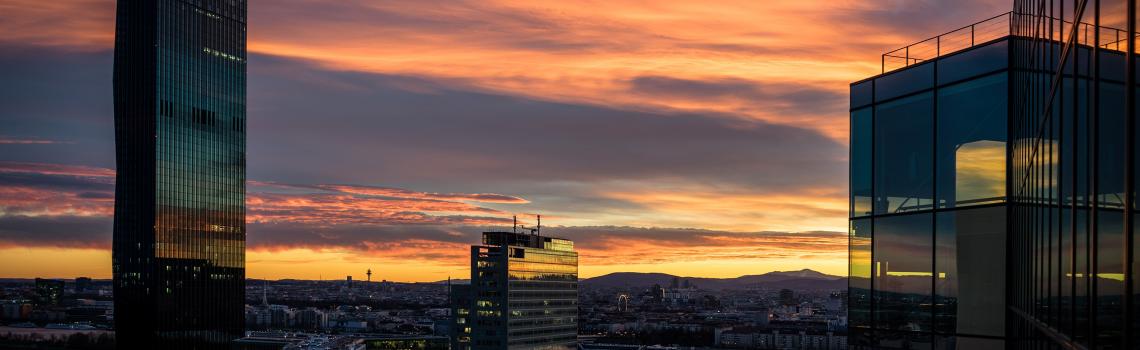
[[431, 133], [72, 25], [402, 193], [55, 231], [26, 141], [788, 98], [375, 121], [72, 209]]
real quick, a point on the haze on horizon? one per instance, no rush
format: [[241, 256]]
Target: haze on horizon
[[695, 139]]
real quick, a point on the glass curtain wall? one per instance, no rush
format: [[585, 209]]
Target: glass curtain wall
[[928, 203], [1073, 175]]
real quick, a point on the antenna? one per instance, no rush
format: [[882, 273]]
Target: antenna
[[540, 224], [515, 223]]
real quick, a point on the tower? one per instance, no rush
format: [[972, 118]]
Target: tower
[[178, 256]]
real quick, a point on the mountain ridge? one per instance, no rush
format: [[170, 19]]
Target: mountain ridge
[[795, 279]]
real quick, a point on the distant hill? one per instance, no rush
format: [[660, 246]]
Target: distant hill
[[802, 279]]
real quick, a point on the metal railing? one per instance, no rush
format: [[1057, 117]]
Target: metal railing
[[997, 27]]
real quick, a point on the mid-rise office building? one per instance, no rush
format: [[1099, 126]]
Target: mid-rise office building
[[523, 294], [48, 292], [986, 187], [179, 231]]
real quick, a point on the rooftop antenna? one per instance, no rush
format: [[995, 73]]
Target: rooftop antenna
[[540, 224], [515, 224]]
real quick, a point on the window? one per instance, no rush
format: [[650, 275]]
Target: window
[[903, 252], [859, 270], [972, 118], [860, 162], [970, 271], [904, 155]]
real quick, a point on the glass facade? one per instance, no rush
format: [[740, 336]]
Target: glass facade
[[1073, 174], [180, 117], [1052, 268], [525, 293], [928, 203]]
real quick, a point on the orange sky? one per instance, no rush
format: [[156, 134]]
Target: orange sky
[[747, 64]]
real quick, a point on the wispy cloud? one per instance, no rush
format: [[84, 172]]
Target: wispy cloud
[[384, 128], [70, 206]]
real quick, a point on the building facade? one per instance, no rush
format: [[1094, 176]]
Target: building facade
[[928, 201], [179, 228], [523, 294], [1073, 176], [989, 176]]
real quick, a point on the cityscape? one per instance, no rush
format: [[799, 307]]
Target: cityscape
[[234, 174]]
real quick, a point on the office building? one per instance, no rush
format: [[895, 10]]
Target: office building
[[179, 231], [461, 298], [523, 294], [961, 238], [1073, 175], [48, 292]]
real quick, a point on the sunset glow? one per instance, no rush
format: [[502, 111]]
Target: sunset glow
[[699, 139]]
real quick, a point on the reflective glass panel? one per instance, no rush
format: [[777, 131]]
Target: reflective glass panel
[[972, 119], [970, 276], [903, 252], [859, 270], [904, 155], [860, 162]]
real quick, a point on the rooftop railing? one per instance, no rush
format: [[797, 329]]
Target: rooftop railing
[[997, 27]]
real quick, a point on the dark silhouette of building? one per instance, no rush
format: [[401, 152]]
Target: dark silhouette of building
[[461, 298], [179, 229], [48, 292], [523, 294], [788, 297], [990, 171], [348, 281], [82, 284]]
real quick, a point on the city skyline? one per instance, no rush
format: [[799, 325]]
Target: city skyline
[[437, 122]]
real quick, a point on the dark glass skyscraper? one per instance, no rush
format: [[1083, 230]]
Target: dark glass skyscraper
[[962, 239], [523, 294], [1074, 175], [179, 236], [928, 196]]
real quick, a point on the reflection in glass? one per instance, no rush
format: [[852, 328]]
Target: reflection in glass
[[859, 270], [903, 252], [860, 162], [970, 274], [903, 155], [971, 142]]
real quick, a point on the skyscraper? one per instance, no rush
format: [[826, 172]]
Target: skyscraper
[[179, 229], [523, 294], [990, 172], [1074, 157], [928, 194]]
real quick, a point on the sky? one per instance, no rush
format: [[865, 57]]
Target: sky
[[704, 138]]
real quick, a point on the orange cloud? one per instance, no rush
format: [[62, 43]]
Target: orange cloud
[[784, 62]]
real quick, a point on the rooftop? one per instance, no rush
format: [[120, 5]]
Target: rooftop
[[999, 27]]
